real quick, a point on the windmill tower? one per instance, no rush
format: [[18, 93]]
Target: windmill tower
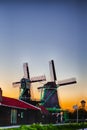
[[50, 96], [25, 85]]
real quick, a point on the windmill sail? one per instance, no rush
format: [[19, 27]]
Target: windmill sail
[[52, 71], [67, 82], [38, 78], [26, 71]]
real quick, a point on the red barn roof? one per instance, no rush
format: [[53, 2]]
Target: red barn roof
[[15, 103]]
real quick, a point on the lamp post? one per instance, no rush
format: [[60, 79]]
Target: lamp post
[[83, 102]]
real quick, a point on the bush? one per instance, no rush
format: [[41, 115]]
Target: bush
[[71, 126], [24, 127]]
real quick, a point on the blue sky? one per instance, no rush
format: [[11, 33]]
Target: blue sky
[[36, 32]]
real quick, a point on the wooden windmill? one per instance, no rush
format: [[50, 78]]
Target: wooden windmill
[[50, 96], [25, 85]]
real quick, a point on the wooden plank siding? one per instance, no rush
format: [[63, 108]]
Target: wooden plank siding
[[5, 116], [23, 116]]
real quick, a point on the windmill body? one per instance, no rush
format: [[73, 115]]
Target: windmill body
[[50, 96], [25, 90]]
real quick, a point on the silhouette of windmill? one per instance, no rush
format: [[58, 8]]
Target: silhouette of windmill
[[50, 95], [25, 85]]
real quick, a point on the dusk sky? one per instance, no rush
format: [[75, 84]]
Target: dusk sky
[[38, 31]]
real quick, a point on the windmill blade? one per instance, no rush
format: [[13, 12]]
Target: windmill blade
[[63, 83], [52, 71], [45, 87], [67, 82], [41, 87], [15, 84], [26, 71], [38, 78]]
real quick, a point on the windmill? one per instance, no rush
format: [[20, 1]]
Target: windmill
[[50, 96], [25, 85]]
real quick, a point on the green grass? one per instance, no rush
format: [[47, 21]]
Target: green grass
[[71, 126]]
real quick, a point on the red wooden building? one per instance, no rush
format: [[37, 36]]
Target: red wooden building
[[16, 112]]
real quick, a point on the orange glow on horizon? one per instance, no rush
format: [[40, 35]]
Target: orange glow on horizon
[[68, 97], [65, 104]]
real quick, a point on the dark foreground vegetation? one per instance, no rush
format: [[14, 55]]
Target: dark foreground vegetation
[[72, 126]]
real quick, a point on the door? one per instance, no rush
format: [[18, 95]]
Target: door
[[13, 116]]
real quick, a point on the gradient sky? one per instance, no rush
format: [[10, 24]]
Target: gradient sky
[[38, 31]]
